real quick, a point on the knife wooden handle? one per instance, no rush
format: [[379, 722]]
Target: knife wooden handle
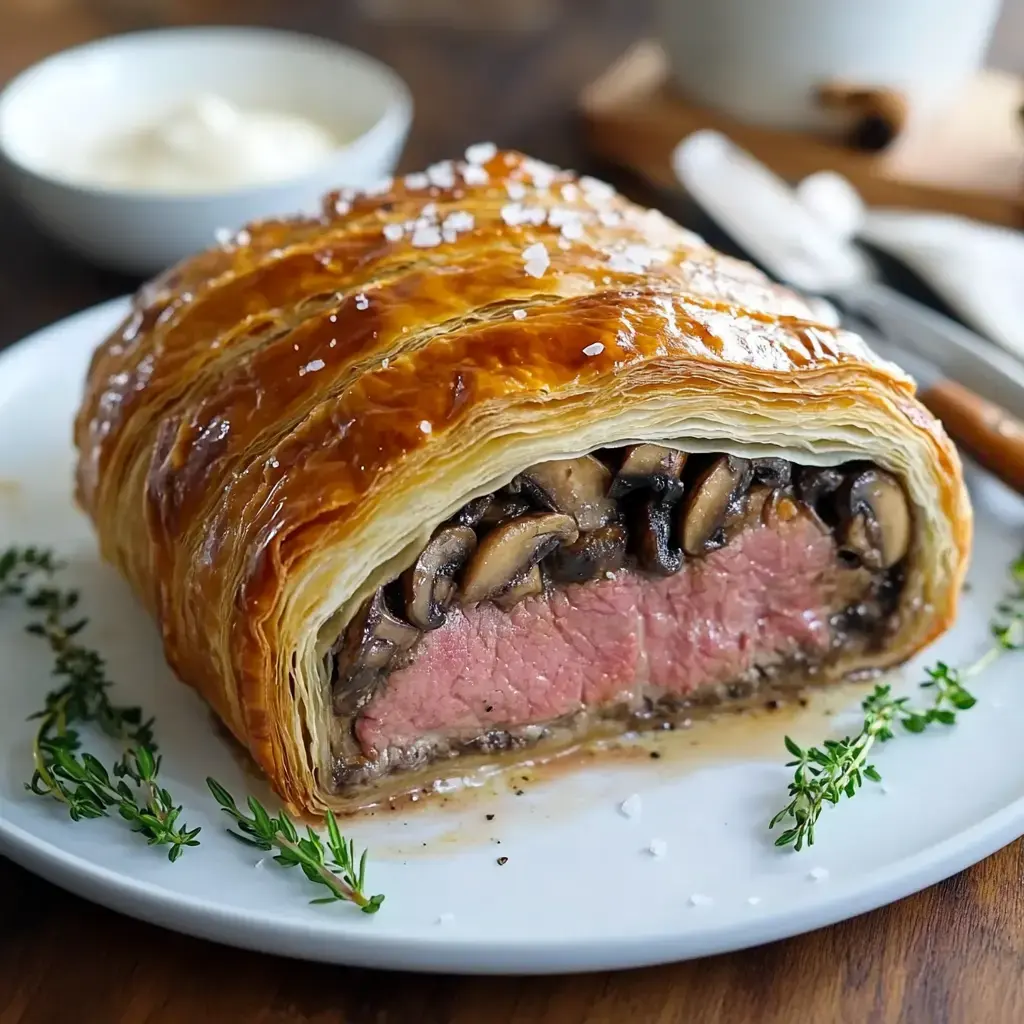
[[988, 433]]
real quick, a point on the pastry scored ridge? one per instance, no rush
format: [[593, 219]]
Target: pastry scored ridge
[[283, 422]]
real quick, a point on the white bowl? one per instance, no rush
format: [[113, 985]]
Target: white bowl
[[81, 95]]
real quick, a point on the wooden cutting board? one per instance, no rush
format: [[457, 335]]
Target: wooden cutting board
[[969, 161]]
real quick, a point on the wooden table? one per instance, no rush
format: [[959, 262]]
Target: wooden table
[[954, 953]]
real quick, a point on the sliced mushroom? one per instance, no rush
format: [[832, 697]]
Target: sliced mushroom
[[772, 471], [371, 641], [574, 487], [531, 583], [652, 466], [473, 511], [704, 512], [502, 509], [428, 585], [875, 519], [507, 552], [814, 483], [591, 556], [654, 538]]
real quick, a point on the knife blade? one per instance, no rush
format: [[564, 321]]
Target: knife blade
[[764, 216]]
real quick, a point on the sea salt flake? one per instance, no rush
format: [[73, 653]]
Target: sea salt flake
[[541, 173], [362, 302], [537, 259], [393, 232], [416, 181], [426, 236], [459, 220], [446, 918], [515, 190], [594, 188], [657, 848], [442, 174], [519, 314], [426, 426], [481, 152], [631, 806], [700, 900], [475, 175], [817, 874], [311, 367], [594, 350], [512, 214]]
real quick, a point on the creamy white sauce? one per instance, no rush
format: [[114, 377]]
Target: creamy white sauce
[[208, 144]]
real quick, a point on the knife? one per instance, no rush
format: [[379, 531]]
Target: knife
[[953, 366]]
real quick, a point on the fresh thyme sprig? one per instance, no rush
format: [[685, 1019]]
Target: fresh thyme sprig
[[824, 775], [62, 770], [344, 877]]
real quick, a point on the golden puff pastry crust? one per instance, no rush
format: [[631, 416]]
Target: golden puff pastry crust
[[281, 422]]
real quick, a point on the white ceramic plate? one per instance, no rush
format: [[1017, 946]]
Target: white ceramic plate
[[580, 890]]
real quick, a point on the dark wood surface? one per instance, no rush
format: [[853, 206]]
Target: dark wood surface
[[954, 953]]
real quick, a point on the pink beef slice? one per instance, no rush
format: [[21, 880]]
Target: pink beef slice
[[612, 641]]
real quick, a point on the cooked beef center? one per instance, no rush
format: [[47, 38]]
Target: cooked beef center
[[627, 583]]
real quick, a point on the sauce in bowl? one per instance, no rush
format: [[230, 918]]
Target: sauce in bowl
[[209, 144]]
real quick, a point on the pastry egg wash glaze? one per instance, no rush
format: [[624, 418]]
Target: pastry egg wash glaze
[[209, 144]]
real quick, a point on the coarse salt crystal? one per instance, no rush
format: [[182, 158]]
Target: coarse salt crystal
[[631, 806], [384, 363], [222, 236], [333, 318], [541, 173], [416, 181], [609, 218], [753, 900], [519, 314], [594, 350], [817, 874], [311, 367], [473, 174], [609, 575], [393, 232], [572, 230], [378, 189], [564, 243], [342, 206], [334, 341], [537, 259], [459, 220], [429, 211], [515, 190], [481, 152], [362, 302], [511, 214], [570, 192], [243, 237], [442, 174], [425, 236], [594, 188], [426, 426], [700, 900], [657, 848], [446, 918]]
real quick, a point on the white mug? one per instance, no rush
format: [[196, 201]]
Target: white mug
[[762, 61]]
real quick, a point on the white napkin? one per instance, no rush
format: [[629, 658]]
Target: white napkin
[[978, 269]]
